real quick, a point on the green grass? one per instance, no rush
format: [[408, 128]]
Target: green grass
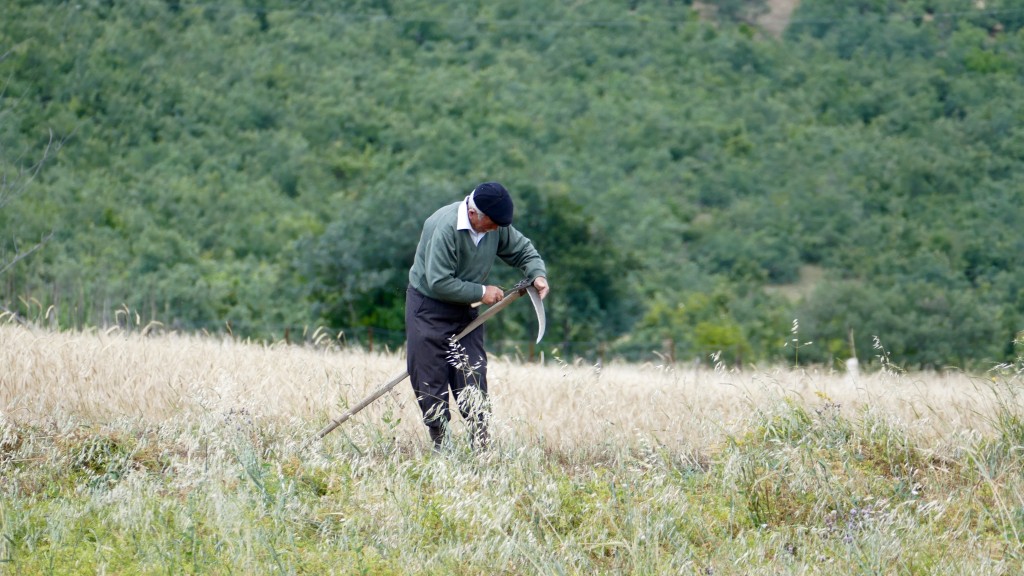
[[802, 489]]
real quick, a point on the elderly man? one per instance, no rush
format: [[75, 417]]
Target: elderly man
[[455, 254]]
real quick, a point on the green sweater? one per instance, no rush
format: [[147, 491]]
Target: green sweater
[[450, 267]]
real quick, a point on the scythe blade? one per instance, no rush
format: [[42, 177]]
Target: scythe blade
[[538, 307]]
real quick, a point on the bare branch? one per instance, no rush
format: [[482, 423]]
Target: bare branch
[[19, 256], [10, 191]]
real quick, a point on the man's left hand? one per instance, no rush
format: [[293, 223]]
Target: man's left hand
[[541, 284]]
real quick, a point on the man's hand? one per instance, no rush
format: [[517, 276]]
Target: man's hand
[[492, 295], [541, 284]]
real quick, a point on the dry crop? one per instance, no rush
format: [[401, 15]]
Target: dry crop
[[134, 453]]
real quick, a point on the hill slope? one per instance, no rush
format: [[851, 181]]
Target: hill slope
[[261, 169]]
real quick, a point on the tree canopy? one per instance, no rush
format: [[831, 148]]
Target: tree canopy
[[693, 181]]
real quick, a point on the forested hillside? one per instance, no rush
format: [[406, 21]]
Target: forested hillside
[[695, 183]]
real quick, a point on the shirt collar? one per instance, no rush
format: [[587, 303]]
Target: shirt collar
[[464, 224]]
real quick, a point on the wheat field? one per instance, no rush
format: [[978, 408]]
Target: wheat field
[[146, 453], [98, 376]]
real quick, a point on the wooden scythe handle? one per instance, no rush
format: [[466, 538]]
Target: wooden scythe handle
[[514, 294]]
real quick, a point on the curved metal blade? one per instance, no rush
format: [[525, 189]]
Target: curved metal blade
[[538, 307]]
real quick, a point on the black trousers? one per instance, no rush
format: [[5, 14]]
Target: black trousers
[[435, 365]]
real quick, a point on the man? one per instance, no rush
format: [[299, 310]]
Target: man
[[455, 254]]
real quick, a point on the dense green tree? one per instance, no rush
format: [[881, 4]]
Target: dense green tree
[[593, 300], [739, 10], [356, 272], [265, 165]]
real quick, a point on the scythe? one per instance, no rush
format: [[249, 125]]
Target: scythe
[[525, 286]]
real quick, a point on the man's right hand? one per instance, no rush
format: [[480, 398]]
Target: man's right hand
[[492, 295]]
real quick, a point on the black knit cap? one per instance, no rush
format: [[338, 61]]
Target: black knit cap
[[493, 200]]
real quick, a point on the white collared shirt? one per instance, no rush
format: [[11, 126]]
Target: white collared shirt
[[464, 224]]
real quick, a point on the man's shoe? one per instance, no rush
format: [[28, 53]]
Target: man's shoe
[[437, 436]]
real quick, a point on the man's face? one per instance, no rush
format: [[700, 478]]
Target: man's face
[[481, 222]]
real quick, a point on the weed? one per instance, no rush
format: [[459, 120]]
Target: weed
[[795, 342]]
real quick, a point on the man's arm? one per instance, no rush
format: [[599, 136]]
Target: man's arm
[[517, 251]]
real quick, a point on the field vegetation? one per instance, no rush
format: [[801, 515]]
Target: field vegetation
[[135, 451]]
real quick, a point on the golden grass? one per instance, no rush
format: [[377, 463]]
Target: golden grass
[[94, 376], [185, 454]]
